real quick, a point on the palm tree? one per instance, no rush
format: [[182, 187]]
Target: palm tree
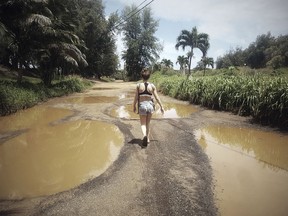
[[156, 66], [207, 61], [17, 17], [167, 63], [192, 40], [61, 55], [38, 38], [183, 62]]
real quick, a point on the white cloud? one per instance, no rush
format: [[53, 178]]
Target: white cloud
[[229, 23], [168, 49], [224, 16], [219, 52]]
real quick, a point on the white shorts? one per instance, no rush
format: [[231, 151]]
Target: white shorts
[[146, 107]]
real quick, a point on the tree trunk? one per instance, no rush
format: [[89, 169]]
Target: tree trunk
[[189, 67], [47, 77], [20, 75], [190, 55]]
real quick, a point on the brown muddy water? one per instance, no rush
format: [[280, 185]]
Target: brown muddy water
[[172, 110], [42, 155], [250, 168], [32, 117], [47, 149], [91, 99]]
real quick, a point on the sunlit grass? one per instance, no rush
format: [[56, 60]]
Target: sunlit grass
[[31, 91], [261, 95]]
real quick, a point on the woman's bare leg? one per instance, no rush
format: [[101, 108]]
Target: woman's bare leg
[[143, 121], [148, 118]]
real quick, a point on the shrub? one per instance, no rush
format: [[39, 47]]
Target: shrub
[[15, 96], [265, 98]]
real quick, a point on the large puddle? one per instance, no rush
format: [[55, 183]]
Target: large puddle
[[48, 158], [172, 110], [250, 169], [91, 99], [32, 117]]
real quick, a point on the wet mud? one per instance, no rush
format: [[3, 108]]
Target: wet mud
[[174, 175]]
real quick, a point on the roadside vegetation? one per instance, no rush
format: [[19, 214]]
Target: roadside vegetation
[[57, 38], [264, 96], [16, 96], [249, 82], [47, 46]]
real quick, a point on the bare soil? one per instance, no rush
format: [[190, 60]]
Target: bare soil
[[172, 176]]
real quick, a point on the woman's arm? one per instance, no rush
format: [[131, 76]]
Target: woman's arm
[[135, 99], [157, 98]]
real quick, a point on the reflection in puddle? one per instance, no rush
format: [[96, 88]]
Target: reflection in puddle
[[49, 159], [172, 110], [125, 95], [101, 88], [31, 117], [89, 100], [250, 169], [124, 112]]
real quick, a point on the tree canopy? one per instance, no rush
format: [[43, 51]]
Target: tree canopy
[[183, 62], [55, 36], [266, 51], [167, 63], [142, 47]]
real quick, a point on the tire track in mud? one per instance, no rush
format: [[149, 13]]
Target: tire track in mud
[[172, 176], [181, 177]]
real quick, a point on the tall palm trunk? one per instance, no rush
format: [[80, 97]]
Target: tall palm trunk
[[190, 55], [189, 67]]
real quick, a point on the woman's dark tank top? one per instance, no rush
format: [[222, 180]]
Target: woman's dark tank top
[[145, 92]]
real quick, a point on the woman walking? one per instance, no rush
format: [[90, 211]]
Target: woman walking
[[144, 98]]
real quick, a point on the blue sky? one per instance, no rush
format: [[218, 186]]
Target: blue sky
[[229, 23]]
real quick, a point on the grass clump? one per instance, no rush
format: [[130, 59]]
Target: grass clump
[[14, 96], [264, 97]]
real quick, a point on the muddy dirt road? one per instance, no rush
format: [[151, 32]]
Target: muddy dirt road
[[172, 176]]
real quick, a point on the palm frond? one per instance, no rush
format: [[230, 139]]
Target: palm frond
[[4, 30], [70, 60], [39, 19], [75, 53], [41, 1], [7, 36], [68, 36]]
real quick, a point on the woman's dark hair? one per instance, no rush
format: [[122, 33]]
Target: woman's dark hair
[[144, 75]]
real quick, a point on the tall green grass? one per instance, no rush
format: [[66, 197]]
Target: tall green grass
[[14, 96], [265, 98]]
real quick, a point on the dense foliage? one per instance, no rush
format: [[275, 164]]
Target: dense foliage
[[57, 37], [142, 47], [266, 51], [16, 96], [265, 98]]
